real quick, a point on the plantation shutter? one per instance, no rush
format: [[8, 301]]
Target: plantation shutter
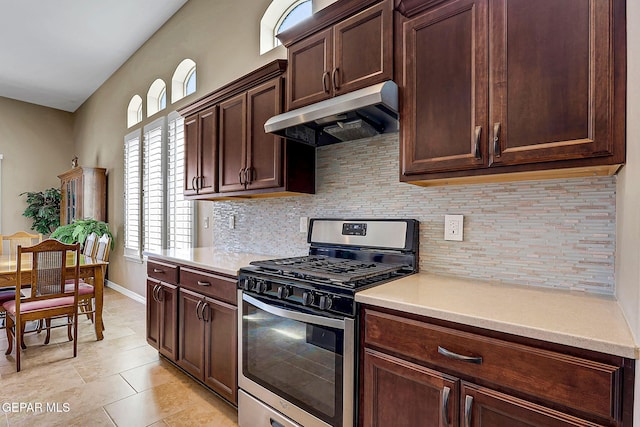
[[153, 185], [179, 211], [132, 194]]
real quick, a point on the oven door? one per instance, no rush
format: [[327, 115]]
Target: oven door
[[300, 364]]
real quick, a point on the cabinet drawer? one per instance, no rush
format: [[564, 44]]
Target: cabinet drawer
[[575, 382], [209, 284], [167, 273]]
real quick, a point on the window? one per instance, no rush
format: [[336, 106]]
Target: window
[[183, 82], [156, 214], [157, 90], [132, 194], [296, 13], [134, 111], [283, 14]]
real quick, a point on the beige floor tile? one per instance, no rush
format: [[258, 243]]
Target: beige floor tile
[[119, 381], [151, 405]]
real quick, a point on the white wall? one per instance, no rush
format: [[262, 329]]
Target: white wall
[[628, 206]]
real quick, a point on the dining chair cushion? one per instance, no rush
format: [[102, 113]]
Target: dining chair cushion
[[7, 295], [83, 288], [25, 307]]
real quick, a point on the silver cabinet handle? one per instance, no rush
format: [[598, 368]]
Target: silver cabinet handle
[[476, 148], [157, 270], [468, 404], [334, 75], [155, 293], [446, 391], [193, 185], [208, 317], [451, 355], [240, 174], [198, 309], [201, 283], [496, 139], [325, 86]]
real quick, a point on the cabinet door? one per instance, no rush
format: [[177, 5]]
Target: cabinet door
[[550, 80], [401, 394], [232, 143], [153, 314], [191, 155], [363, 49], [481, 406], [310, 66], [208, 173], [444, 95], [264, 151], [168, 343], [221, 355], [190, 333]]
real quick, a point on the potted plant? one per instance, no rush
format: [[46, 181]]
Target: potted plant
[[79, 229], [44, 208]]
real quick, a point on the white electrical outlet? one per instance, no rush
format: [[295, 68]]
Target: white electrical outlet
[[206, 222], [304, 224], [453, 227], [232, 222]]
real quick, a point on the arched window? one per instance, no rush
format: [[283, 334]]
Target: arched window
[[280, 15], [134, 111], [183, 82], [157, 92], [298, 11]]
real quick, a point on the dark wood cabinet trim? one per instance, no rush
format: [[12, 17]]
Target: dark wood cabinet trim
[[262, 74], [324, 18]]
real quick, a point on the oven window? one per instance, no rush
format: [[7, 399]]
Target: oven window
[[299, 361]]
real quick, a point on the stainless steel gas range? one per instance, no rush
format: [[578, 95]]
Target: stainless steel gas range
[[298, 321]]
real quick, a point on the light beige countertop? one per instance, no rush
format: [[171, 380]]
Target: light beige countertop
[[211, 259], [573, 318]]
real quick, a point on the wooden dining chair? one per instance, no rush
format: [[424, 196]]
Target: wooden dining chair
[[87, 293], [21, 238], [90, 244], [47, 295]]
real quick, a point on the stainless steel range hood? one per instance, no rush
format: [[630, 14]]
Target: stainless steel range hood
[[359, 114]]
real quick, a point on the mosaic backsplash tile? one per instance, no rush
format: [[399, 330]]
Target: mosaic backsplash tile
[[553, 233]]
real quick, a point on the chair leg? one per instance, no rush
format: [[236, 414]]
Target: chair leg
[[19, 329], [9, 327], [48, 327], [22, 329], [69, 324]]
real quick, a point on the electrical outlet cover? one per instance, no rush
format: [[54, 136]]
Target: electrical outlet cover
[[453, 227]]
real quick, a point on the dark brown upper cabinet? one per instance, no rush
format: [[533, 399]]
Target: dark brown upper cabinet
[[200, 138], [490, 88], [229, 155], [340, 49]]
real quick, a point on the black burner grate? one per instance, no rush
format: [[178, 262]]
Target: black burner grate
[[323, 268]]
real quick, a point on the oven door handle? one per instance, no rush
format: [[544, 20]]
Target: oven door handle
[[294, 315]]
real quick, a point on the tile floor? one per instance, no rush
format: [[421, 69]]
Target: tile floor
[[118, 381]]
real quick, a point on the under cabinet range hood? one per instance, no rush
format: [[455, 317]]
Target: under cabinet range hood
[[359, 114]]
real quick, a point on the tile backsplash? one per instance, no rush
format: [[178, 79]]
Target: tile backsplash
[[553, 233]]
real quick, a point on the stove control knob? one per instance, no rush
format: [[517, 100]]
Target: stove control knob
[[325, 302], [283, 292], [307, 298], [262, 287], [247, 283]]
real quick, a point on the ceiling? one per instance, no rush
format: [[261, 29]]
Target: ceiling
[[56, 53]]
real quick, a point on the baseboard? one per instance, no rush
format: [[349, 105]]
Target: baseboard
[[126, 292]]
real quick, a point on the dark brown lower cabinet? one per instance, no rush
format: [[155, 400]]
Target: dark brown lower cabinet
[[208, 341], [162, 310], [417, 371]]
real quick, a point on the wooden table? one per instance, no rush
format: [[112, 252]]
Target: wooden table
[[89, 267]]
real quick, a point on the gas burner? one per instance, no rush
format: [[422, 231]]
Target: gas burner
[[325, 269]]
